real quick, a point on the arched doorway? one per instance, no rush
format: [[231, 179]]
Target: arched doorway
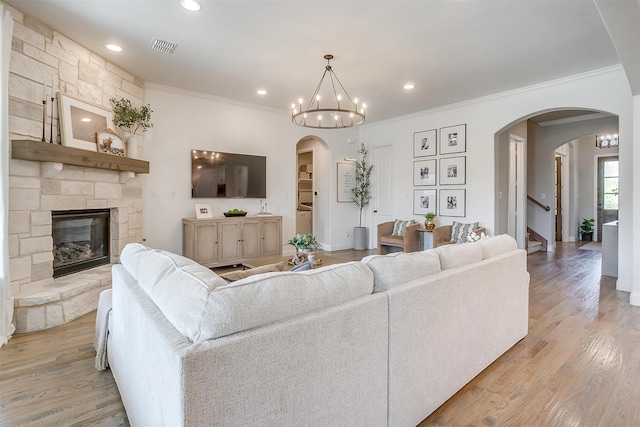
[[312, 207], [568, 134]]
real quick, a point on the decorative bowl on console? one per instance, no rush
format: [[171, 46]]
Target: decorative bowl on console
[[235, 212]]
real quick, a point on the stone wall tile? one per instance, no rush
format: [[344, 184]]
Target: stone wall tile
[[24, 182], [24, 199], [18, 222], [106, 190], [132, 89], [30, 68], [62, 54], [63, 202], [51, 186], [119, 71], [68, 73], [25, 109], [135, 220], [40, 230], [38, 27], [98, 60], [35, 319], [96, 204], [71, 47], [54, 316], [119, 203], [89, 73], [28, 36], [104, 175], [41, 218], [41, 271], [71, 173], [76, 187], [40, 55], [20, 268], [34, 245], [22, 128], [23, 168], [14, 246], [82, 304], [25, 89], [17, 15], [42, 257]]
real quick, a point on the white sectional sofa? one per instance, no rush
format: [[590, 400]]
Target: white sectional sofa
[[380, 342]]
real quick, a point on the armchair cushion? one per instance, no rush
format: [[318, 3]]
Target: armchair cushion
[[460, 231], [399, 226]]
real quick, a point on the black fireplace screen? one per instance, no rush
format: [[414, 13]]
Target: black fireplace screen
[[80, 240]]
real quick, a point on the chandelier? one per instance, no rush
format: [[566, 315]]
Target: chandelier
[[336, 112], [606, 141]]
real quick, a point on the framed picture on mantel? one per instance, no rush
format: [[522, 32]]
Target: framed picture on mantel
[[80, 122]]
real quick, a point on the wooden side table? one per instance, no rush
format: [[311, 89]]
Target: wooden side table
[[426, 239]]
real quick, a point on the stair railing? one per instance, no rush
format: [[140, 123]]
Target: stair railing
[[535, 202]]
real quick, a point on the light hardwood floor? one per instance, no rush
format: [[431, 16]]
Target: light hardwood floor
[[578, 366]]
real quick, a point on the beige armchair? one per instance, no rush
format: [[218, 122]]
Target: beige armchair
[[408, 242], [442, 235]]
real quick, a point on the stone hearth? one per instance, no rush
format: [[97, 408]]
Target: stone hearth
[[37, 189]]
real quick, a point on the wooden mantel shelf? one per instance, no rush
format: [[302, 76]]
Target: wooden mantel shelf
[[45, 152]]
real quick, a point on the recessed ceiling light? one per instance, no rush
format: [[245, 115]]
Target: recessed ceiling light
[[114, 48], [261, 92], [409, 86], [191, 5]]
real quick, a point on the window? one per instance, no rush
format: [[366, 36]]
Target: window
[[611, 180]]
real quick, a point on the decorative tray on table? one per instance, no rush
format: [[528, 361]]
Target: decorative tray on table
[[228, 214]]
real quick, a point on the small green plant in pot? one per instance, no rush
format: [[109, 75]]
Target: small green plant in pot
[[361, 196], [429, 224], [586, 229], [132, 119]]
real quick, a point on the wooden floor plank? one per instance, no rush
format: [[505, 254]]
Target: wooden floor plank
[[578, 366]]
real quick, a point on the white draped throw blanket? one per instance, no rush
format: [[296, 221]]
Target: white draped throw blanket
[[102, 330]]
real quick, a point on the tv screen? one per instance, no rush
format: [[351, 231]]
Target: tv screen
[[216, 174]]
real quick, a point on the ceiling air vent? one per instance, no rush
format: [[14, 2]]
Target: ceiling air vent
[[163, 46]]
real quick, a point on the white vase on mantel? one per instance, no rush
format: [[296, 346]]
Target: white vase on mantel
[[132, 146]]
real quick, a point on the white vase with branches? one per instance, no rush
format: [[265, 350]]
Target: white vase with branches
[[361, 196]]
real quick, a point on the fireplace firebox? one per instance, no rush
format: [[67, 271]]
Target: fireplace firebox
[[80, 240]]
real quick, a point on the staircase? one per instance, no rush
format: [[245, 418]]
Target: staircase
[[535, 242]]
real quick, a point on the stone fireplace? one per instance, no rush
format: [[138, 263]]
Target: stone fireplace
[[38, 191]]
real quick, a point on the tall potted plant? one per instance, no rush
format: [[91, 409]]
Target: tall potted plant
[[361, 197], [132, 119]]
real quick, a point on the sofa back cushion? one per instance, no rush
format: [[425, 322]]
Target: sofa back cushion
[[201, 305], [452, 256], [496, 245], [400, 267]]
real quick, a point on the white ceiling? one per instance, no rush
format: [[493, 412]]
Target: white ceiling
[[451, 50]]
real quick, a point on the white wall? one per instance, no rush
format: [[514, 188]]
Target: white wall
[[605, 90], [184, 121]]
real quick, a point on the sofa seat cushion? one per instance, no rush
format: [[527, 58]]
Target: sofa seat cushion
[[202, 306], [392, 240], [400, 267], [452, 256]]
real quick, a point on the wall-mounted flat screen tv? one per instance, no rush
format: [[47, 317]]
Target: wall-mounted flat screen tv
[[215, 175]]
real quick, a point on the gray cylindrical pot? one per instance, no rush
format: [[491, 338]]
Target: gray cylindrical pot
[[360, 238]]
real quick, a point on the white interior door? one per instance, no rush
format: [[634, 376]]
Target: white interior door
[[516, 222], [382, 189]]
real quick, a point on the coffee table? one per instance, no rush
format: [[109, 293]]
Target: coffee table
[[259, 262]]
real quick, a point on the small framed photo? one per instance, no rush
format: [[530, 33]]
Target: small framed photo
[[424, 172], [453, 170], [424, 143], [110, 143], [452, 202], [79, 122], [453, 139], [424, 201], [203, 210]]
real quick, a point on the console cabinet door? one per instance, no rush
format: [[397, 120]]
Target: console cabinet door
[[271, 237], [206, 243], [251, 238], [230, 245]]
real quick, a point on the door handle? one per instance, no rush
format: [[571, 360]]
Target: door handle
[[375, 211]]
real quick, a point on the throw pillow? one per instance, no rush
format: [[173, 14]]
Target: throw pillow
[[302, 267], [232, 276], [399, 226], [460, 231]]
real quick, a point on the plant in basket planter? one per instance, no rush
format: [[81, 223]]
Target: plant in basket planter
[[361, 196], [132, 119]]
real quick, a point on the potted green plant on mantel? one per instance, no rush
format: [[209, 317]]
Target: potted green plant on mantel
[[361, 197], [586, 229], [132, 119]]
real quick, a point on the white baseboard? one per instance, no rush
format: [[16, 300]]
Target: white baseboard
[[623, 285], [634, 299]]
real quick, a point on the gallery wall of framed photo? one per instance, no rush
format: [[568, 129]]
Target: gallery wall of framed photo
[[440, 171]]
